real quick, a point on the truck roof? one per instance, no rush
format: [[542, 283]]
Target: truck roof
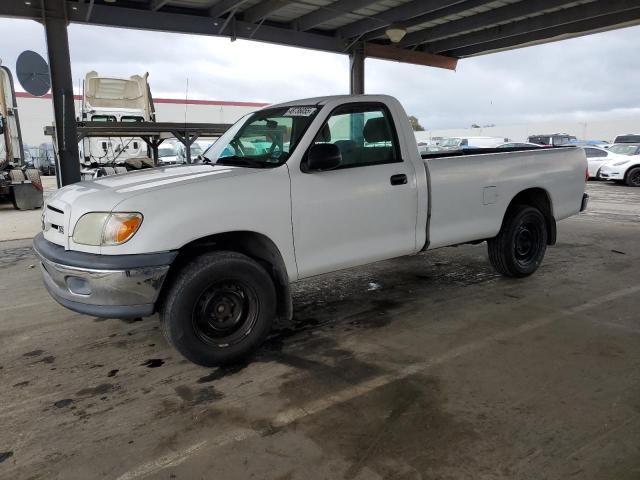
[[324, 100]]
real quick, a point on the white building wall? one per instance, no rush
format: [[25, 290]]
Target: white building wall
[[589, 130], [36, 112]]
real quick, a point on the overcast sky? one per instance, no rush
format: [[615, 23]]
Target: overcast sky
[[586, 78]]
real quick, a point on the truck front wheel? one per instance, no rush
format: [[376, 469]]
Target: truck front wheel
[[519, 247], [219, 308]]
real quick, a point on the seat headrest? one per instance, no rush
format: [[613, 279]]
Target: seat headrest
[[325, 134], [376, 130]]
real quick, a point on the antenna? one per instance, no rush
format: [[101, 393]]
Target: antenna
[[33, 73]]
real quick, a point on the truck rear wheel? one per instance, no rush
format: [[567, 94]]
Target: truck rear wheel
[[519, 247], [633, 177], [219, 308]]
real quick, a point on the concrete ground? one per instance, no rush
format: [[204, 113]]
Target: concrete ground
[[429, 367], [16, 224]]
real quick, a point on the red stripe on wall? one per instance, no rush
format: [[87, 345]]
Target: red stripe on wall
[[168, 100]]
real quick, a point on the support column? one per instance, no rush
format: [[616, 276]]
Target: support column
[[356, 70], [55, 25]]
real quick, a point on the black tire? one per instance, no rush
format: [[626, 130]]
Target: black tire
[[519, 247], [219, 308], [633, 177]]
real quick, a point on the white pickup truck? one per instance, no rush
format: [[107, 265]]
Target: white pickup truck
[[289, 192]]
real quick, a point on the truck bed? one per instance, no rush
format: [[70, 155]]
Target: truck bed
[[481, 151], [471, 190]]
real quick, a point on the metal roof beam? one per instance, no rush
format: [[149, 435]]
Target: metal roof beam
[[485, 19], [157, 4], [329, 12], [454, 9], [393, 15], [593, 25], [225, 6], [549, 20], [384, 52], [144, 19], [263, 9]]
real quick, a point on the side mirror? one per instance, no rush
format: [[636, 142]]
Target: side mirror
[[1, 125], [323, 156]]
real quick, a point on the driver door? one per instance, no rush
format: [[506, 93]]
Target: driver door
[[364, 210]]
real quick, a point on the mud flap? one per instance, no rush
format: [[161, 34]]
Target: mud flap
[[25, 196]]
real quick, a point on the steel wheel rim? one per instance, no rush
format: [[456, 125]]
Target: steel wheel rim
[[224, 313], [526, 242]]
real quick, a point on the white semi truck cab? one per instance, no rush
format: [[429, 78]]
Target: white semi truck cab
[[289, 192], [19, 184], [109, 99]]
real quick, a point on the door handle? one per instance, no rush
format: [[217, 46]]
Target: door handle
[[399, 179]]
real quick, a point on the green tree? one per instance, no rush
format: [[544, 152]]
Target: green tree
[[415, 124]]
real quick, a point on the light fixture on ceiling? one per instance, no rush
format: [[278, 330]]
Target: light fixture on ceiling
[[109, 1], [395, 32]]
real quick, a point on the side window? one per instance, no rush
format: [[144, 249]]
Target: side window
[[363, 133], [594, 152]]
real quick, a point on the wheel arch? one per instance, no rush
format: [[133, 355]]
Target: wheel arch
[[626, 173], [539, 198], [255, 245]]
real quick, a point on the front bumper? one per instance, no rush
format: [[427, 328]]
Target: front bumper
[[111, 286], [606, 173]]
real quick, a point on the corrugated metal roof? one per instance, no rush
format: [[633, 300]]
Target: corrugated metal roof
[[456, 28]]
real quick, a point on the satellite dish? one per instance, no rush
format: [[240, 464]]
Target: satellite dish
[[33, 73]]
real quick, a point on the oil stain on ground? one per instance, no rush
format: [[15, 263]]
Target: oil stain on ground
[[101, 389], [322, 368], [199, 395], [400, 430], [153, 363]]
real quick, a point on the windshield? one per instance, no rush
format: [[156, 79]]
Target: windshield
[[131, 118], [627, 139], [166, 151], [263, 139], [450, 142], [195, 150], [103, 118], [624, 149]]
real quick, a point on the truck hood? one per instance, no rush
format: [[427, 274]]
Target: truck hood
[[104, 194]]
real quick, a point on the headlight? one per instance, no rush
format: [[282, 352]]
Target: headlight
[[621, 163], [101, 228]]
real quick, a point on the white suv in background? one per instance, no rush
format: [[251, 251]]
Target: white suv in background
[[597, 157], [625, 168]]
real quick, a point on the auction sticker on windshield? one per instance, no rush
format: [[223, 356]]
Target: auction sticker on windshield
[[300, 111]]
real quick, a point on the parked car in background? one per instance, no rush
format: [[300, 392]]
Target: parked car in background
[[181, 152], [628, 138], [462, 143], [597, 143], [625, 148], [552, 139], [597, 157], [167, 153], [519, 145], [625, 168]]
